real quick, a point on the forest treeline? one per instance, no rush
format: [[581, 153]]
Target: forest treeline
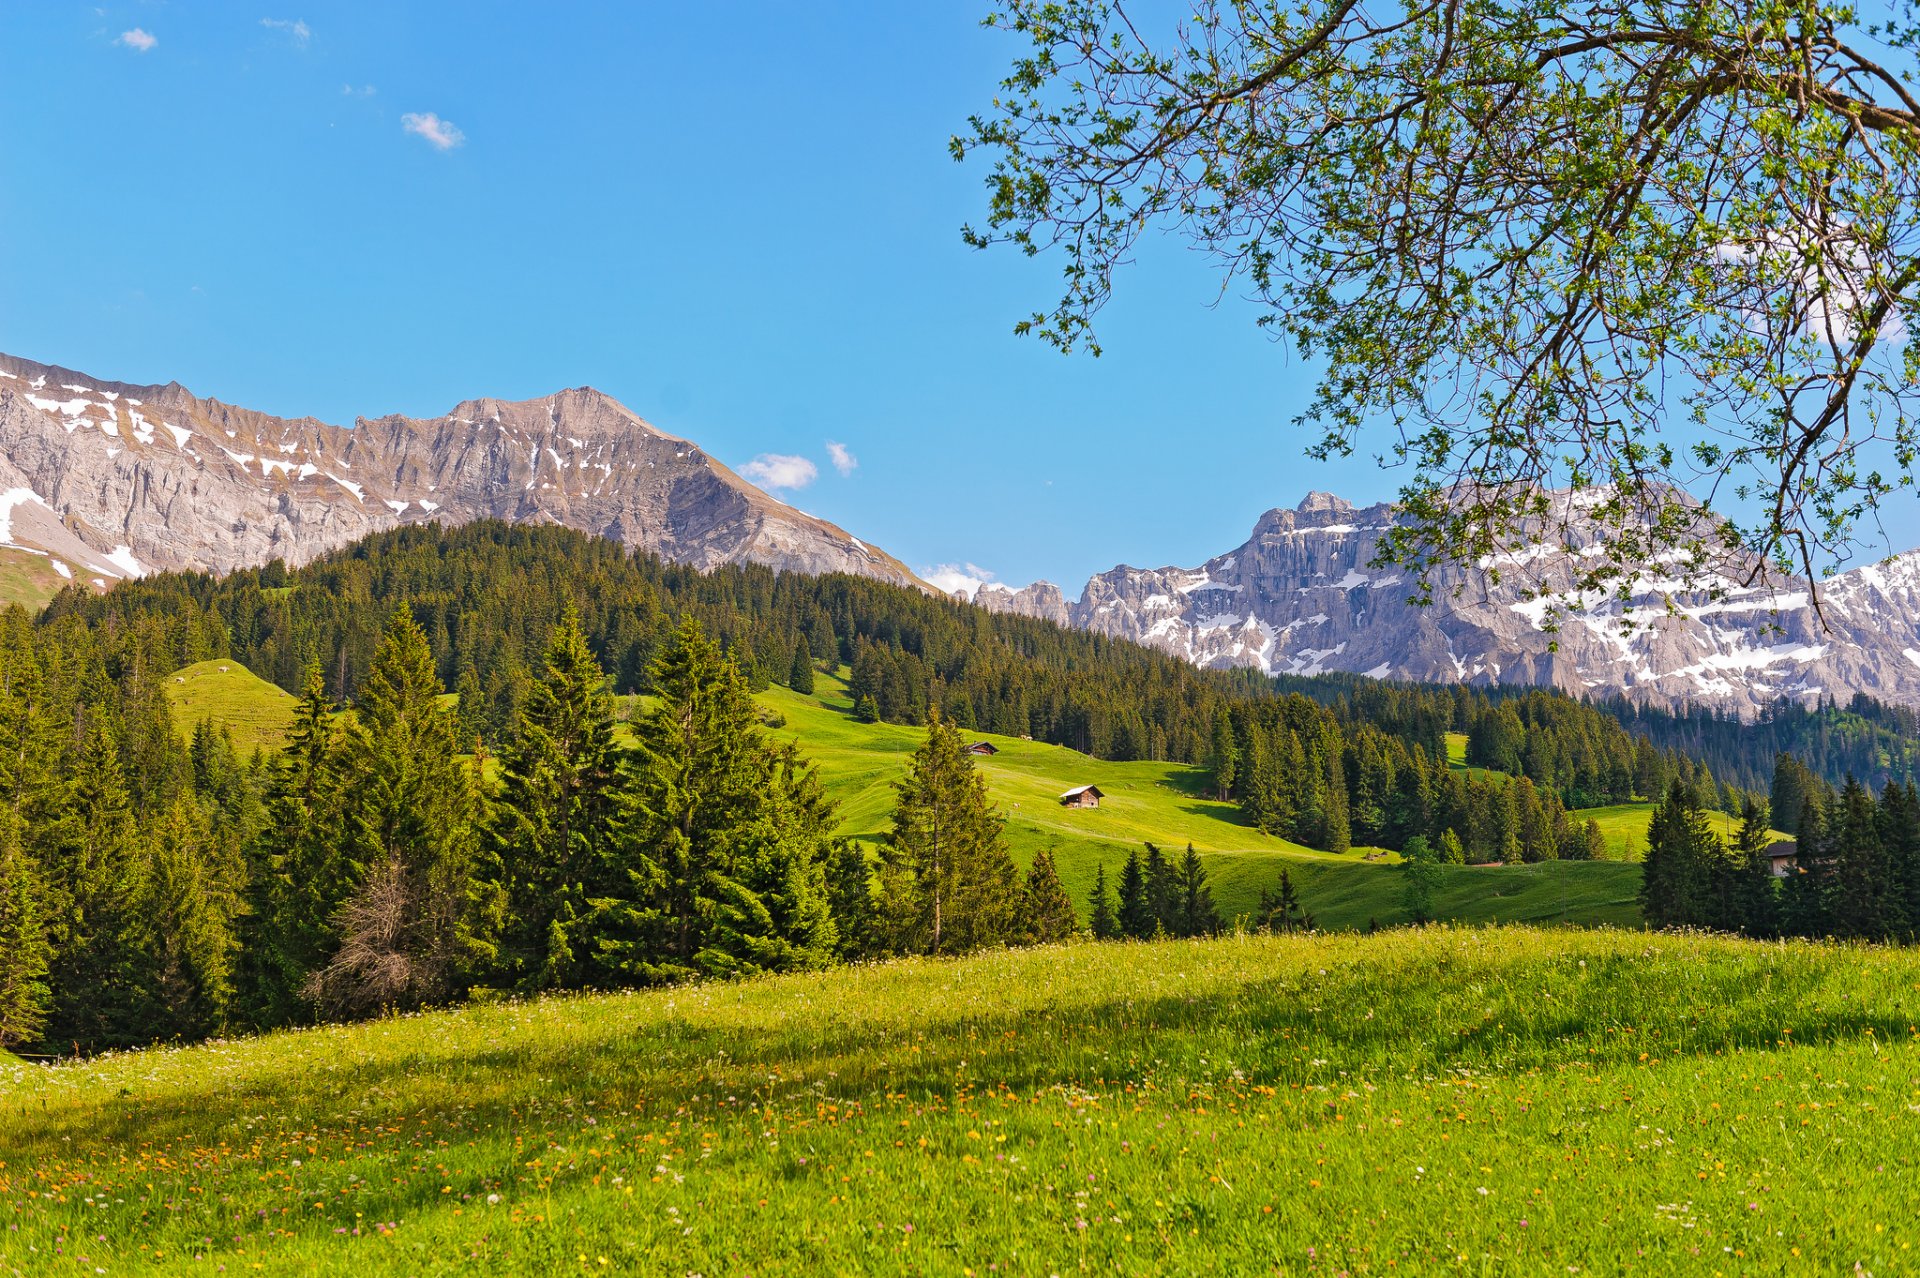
[[153, 889], [1330, 763], [1853, 869]]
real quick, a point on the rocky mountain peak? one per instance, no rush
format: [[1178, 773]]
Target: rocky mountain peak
[[143, 477]]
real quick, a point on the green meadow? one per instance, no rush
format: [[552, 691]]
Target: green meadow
[[1165, 803], [1501, 1100]]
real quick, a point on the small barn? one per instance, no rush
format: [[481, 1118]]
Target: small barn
[[1082, 796], [983, 747], [1782, 855]]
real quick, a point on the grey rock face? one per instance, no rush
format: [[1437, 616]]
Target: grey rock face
[[138, 478], [1300, 597]]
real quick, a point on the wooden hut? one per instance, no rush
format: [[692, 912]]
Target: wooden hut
[[983, 747], [1081, 796]]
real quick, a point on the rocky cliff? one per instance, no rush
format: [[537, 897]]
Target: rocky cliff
[[110, 480], [1300, 597]]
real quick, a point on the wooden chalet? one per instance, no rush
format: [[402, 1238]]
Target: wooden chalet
[[1082, 796], [1783, 856], [982, 747]]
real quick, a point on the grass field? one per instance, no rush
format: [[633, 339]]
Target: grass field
[[256, 712], [1484, 1102], [1160, 802], [27, 579]]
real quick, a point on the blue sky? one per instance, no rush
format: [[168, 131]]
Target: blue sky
[[740, 219]]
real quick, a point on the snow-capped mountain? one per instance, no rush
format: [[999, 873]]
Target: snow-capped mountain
[[102, 480], [1300, 597]]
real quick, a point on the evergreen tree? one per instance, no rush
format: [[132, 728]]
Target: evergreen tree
[[1803, 897], [1136, 908], [1163, 893], [1676, 878], [1754, 910], [723, 853], [850, 897], [429, 913], [1282, 911], [1102, 918], [553, 827], [1198, 917], [800, 677], [1420, 876], [1900, 834], [1045, 905], [24, 946], [950, 885], [1223, 756], [1862, 901], [185, 914], [1451, 851]]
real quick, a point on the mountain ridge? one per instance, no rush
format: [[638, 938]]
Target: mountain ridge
[[115, 479], [1301, 596]]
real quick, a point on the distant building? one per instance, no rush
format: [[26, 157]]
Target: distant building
[[1082, 796], [1783, 855], [983, 747]]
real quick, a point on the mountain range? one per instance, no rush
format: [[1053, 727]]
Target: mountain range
[[102, 480]]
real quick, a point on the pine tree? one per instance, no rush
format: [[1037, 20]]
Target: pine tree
[[185, 914], [1282, 911], [1420, 877], [1163, 893], [950, 884], [553, 826], [1223, 758], [1803, 897], [1451, 850], [24, 946], [1754, 908], [1136, 908], [1900, 834], [430, 911], [1102, 919], [1046, 908], [1862, 901], [800, 677], [1197, 916], [1676, 878], [723, 848], [850, 896]]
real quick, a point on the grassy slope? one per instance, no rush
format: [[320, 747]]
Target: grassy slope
[[1505, 1101], [1160, 802], [27, 579], [1165, 803], [258, 713]]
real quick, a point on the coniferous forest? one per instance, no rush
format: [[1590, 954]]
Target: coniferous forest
[[157, 885]]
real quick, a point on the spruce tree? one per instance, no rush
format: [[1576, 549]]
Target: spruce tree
[[951, 885], [1900, 834], [1223, 757], [1102, 919], [1046, 909], [1862, 900], [428, 909], [1282, 911], [24, 946], [1136, 908], [553, 823], [800, 678], [1163, 893], [856, 918], [1420, 877], [1676, 875], [1803, 897], [1197, 916], [1452, 852], [1754, 909], [722, 851]]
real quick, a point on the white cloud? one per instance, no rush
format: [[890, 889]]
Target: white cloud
[[364, 91], [294, 27], [966, 579], [138, 40], [842, 457], [443, 135], [777, 470]]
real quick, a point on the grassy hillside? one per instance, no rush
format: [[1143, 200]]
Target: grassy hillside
[[27, 579], [1501, 1101], [256, 712], [1160, 802]]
